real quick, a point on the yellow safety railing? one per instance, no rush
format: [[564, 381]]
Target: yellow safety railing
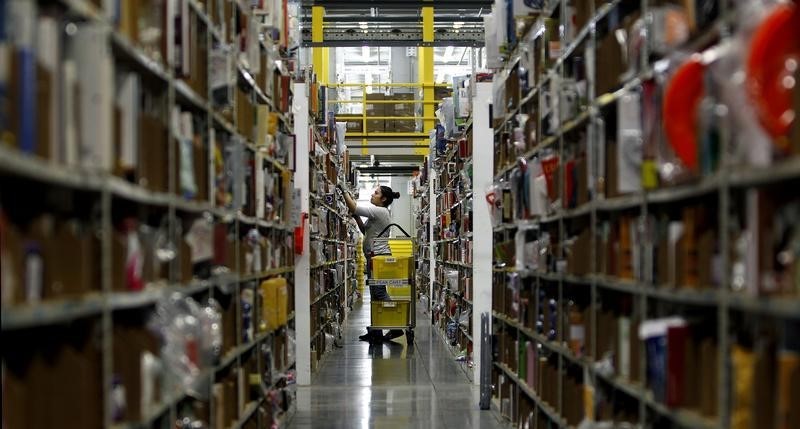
[[364, 118]]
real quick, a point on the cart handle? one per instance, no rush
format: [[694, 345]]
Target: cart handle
[[398, 226]]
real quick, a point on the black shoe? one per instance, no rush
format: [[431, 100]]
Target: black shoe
[[371, 336], [394, 333]]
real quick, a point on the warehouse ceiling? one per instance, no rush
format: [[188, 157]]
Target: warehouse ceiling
[[396, 23]]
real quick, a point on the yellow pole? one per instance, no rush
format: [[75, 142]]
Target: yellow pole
[[320, 56], [426, 77]]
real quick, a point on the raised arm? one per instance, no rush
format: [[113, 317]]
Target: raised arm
[[351, 203], [360, 223]]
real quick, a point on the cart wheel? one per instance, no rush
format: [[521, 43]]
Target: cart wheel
[[410, 336]]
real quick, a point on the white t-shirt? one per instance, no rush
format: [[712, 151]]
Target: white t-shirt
[[378, 218]]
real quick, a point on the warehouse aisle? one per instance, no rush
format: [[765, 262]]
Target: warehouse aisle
[[390, 385]]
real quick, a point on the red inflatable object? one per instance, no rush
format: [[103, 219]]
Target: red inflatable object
[[681, 100], [774, 50]]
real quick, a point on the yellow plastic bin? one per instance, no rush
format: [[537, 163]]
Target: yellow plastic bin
[[389, 314], [391, 267], [396, 272]]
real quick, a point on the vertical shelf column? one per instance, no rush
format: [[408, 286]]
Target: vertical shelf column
[[425, 75], [432, 177], [320, 55], [302, 273], [483, 159]]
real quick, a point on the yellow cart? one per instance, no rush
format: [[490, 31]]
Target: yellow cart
[[395, 271]]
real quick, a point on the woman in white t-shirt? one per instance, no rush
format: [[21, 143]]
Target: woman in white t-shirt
[[378, 218]]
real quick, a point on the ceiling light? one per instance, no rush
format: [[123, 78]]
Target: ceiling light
[[362, 25], [458, 24]]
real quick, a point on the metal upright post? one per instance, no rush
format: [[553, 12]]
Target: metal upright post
[[485, 374]]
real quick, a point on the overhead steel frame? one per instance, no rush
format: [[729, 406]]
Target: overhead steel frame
[[321, 56]]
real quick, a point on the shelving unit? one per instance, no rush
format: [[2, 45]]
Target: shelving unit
[[147, 175], [332, 232], [452, 246], [445, 219], [606, 246]]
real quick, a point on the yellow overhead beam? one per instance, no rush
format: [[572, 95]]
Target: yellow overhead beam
[[320, 56], [425, 74]]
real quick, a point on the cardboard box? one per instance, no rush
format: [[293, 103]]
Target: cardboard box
[[765, 376], [401, 109], [355, 123], [610, 64], [579, 256], [152, 169], [402, 126], [375, 109], [274, 303], [441, 92], [12, 264], [611, 59], [709, 369], [245, 115]]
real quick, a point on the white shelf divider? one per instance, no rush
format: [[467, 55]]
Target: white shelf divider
[[432, 177], [302, 271], [483, 159]]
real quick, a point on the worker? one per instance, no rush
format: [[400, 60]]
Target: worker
[[378, 219]]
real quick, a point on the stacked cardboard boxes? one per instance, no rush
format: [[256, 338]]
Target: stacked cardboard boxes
[[403, 110], [355, 123], [375, 110]]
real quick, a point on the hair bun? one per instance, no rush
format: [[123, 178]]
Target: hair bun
[[396, 195]]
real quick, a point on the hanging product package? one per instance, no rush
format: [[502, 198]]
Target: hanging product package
[[191, 337], [550, 166], [537, 189], [494, 200], [341, 129], [772, 59], [629, 143], [682, 98], [670, 28], [200, 238]]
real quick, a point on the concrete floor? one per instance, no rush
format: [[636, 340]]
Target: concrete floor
[[390, 385]]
